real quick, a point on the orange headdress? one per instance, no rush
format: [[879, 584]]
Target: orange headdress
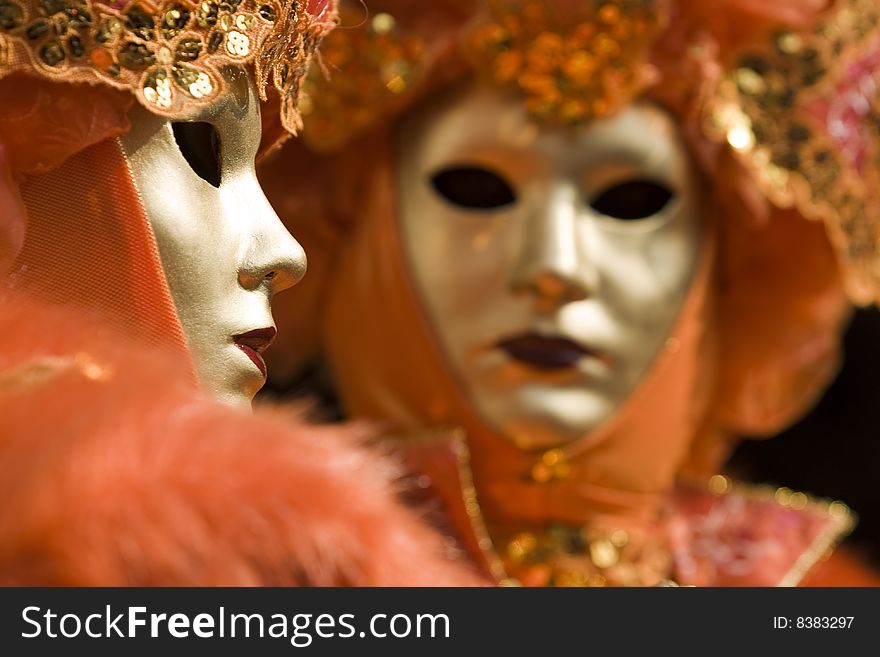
[[69, 72], [756, 88]]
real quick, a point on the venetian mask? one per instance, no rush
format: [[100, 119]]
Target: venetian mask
[[552, 263], [224, 251]]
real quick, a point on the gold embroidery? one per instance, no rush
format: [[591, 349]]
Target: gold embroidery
[[472, 507], [169, 55], [803, 114], [552, 465], [571, 555], [564, 555], [559, 555], [566, 74], [371, 63], [575, 70], [841, 520]]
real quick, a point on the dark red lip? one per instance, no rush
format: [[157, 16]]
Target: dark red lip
[[544, 352], [254, 343]]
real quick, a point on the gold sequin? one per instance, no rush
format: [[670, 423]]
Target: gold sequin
[[619, 538], [570, 73], [164, 56], [566, 73], [552, 465], [169, 53], [383, 23], [603, 553], [719, 484], [238, 44], [783, 496], [802, 114], [521, 546], [564, 555], [798, 501]]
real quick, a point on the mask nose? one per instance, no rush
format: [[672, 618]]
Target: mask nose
[[274, 258], [552, 268]]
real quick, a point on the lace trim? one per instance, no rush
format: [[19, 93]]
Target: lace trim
[[168, 55]]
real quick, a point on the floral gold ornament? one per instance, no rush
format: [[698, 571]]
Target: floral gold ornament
[[563, 555], [803, 114], [568, 555], [168, 54], [569, 74], [368, 65], [566, 75]]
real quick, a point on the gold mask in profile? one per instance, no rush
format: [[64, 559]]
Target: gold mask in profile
[[224, 251]]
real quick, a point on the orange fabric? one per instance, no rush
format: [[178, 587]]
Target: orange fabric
[[13, 216], [115, 471], [741, 536], [32, 139], [279, 50], [88, 241], [43, 123], [843, 569], [89, 245]]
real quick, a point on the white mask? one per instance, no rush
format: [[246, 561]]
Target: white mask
[[552, 263], [223, 249]]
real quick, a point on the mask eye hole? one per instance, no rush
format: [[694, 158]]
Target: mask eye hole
[[633, 199], [474, 188], [199, 143]]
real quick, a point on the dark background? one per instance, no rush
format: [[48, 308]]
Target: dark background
[[834, 452]]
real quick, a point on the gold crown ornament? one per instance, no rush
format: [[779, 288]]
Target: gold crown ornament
[[570, 68], [570, 61]]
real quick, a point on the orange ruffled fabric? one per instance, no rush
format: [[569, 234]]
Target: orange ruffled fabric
[[88, 242], [41, 125], [13, 216]]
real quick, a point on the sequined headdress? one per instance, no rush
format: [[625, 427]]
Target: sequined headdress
[[570, 61], [168, 54], [802, 112], [796, 102]]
